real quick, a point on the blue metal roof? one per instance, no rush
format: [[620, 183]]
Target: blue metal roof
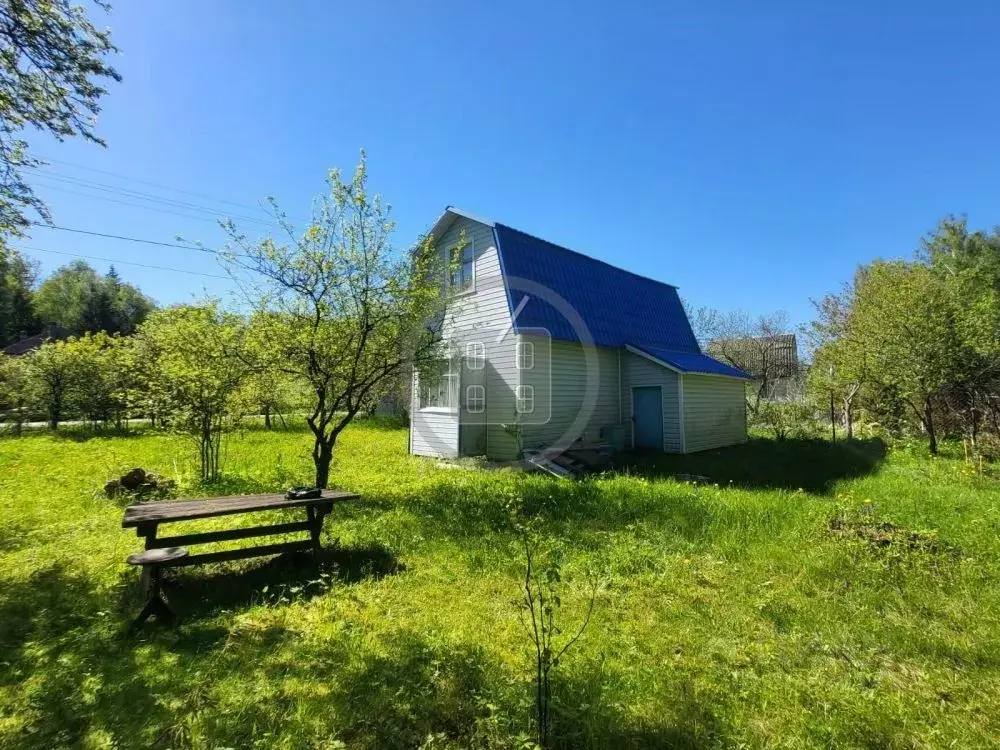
[[616, 306], [694, 363]]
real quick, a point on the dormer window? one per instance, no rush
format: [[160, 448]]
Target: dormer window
[[463, 275]]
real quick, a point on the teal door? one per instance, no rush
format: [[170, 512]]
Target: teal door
[[647, 417]]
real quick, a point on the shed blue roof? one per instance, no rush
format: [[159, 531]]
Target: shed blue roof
[[617, 306], [694, 363]]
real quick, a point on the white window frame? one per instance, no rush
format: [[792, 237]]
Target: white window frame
[[475, 394], [451, 390], [525, 351], [524, 395], [459, 289], [475, 355]]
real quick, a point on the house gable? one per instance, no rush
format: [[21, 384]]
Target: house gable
[[481, 316]]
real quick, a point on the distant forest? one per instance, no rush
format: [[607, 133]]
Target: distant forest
[[75, 297]]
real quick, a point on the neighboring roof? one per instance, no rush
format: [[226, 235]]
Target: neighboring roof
[[618, 307], [29, 344], [778, 354], [687, 362]]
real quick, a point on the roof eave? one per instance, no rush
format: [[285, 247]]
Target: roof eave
[[450, 214], [639, 352]]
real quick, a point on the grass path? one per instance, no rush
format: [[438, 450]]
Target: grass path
[[730, 613]]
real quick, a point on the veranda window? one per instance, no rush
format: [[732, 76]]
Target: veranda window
[[438, 387]]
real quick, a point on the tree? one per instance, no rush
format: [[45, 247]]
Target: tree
[[840, 361], [104, 378], [266, 389], [762, 346], [52, 69], [968, 265], [339, 309], [17, 312], [191, 360], [52, 372], [952, 248], [15, 396], [129, 306], [76, 297], [903, 316]]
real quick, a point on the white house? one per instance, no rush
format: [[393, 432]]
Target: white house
[[560, 348]]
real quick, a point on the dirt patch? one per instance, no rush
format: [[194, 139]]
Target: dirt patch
[[140, 484], [888, 536]]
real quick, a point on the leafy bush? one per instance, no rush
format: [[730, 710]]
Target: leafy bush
[[785, 419]]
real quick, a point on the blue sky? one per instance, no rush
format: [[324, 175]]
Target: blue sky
[[753, 154]]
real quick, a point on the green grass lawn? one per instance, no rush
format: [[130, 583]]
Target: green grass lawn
[[769, 607]]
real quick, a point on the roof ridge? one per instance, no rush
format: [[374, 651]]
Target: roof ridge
[[584, 255]]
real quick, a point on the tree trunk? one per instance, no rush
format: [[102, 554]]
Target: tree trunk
[[323, 457], [267, 417], [929, 426], [849, 418], [55, 413]]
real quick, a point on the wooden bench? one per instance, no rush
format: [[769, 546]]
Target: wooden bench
[[146, 519]]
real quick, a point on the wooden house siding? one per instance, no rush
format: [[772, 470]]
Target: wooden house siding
[[434, 433], [560, 389], [639, 371], [714, 412], [482, 315]]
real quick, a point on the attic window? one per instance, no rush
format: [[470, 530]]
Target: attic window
[[463, 275]]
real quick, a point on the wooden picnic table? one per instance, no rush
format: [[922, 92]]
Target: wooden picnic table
[[146, 518]]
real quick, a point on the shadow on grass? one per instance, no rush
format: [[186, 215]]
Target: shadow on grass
[[811, 464], [421, 690], [71, 679], [286, 578], [57, 640], [582, 716], [14, 535]]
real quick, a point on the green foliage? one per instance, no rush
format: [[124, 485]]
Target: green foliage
[[190, 359], [732, 615], [339, 310], [924, 335], [77, 298], [54, 373], [15, 398], [785, 419], [17, 313], [52, 69]]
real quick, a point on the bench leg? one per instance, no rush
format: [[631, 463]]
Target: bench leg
[[156, 606], [147, 530], [145, 582], [315, 526]]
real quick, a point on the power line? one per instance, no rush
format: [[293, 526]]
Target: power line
[[193, 248], [151, 184], [123, 262], [139, 195], [123, 237], [133, 205]]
